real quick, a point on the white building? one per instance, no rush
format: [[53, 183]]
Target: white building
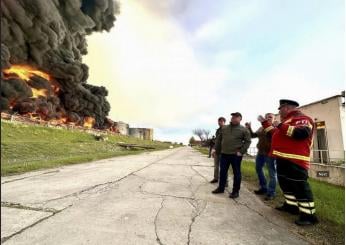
[[329, 134]]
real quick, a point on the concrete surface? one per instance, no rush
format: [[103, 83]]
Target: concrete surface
[[154, 198]]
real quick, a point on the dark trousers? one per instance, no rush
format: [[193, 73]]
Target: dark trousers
[[225, 161], [293, 182], [209, 153]]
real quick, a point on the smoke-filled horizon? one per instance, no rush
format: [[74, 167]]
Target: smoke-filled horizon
[[49, 35]]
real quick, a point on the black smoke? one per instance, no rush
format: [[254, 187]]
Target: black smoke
[[50, 35]]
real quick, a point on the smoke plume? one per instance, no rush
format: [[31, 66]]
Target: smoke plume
[[49, 35]]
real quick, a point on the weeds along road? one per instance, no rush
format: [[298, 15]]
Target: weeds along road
[[161, 197]]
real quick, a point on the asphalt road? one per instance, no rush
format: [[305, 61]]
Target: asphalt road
[[161, 197]]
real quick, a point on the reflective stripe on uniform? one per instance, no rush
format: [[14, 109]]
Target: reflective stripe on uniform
[[307, 211], [268, 129], [310, 126], [307, 204], [291, 156], [290, 131], [291, 203], [290, 197]]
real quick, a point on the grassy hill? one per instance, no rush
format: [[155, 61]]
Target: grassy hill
[[28, 147]]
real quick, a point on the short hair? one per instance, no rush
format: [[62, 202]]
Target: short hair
[[269, 113], [221, 119]]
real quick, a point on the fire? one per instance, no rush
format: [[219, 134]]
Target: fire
[[62, 120], [39, 92], [89, 122], [34, 116], [55, 88], [25, 72]]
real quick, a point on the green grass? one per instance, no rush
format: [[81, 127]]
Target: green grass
[[330, 206], [27, 147], [203, 150], [329, 200]]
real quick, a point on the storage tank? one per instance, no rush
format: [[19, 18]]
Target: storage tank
[[136, 132], [123, 128]]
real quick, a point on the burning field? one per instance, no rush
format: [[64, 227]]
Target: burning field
[[42, 74]]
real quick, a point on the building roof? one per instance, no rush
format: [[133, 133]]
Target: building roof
[[342, 94]]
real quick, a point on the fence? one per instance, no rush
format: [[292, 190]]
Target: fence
[[332, 157], [335, 157]]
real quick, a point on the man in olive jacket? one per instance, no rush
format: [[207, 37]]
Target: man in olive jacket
[[216, 155], [233, 142]]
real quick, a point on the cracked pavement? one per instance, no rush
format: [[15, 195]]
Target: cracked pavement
[[161, 197]]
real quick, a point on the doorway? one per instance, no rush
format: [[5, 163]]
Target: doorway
[[321, 153]]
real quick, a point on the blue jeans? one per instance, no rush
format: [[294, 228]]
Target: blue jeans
[[225, 161], [271, 165]]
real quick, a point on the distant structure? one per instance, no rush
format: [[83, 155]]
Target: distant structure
[[123, 128], [140, 133], [329, 134]]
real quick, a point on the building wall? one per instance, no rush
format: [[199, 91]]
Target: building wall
[[336, 173], [329, 111], [342, 118]]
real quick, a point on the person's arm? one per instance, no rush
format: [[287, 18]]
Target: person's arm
[[247, 142], [301, 130], [268, 127], [252, 133], [218, 142], [248, 126]]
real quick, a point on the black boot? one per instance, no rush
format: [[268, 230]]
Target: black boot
[[306, 219], [234, 194], [217, 191], [260, 191], [288, 208]]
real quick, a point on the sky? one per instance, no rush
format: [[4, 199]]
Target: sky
[[178, 65]]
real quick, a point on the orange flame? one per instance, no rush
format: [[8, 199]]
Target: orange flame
[[62, 120], [25, 72], [34, 116], [89, 122], [39, 92]]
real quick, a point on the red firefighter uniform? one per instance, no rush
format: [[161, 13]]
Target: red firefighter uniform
[[292, 139], [291, 146]]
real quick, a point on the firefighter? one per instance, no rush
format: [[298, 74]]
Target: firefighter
[[291, 145]]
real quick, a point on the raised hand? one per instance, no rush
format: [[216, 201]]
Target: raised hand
[[260, 118]]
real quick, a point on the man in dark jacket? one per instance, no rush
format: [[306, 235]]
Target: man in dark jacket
[[233, 143], [216, 154]]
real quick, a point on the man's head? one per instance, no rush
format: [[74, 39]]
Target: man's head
[[287, 106], [236, 118], [221, 121], [269, 117]]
